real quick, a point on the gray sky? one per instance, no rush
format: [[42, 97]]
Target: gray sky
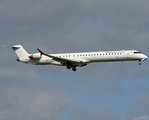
[[115, 91]]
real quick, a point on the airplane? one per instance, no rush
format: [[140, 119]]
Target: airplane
[[73, 60]]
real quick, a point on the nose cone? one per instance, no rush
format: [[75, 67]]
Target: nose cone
[[144, 57]]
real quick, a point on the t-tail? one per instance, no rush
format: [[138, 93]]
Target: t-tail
[[21, 53]]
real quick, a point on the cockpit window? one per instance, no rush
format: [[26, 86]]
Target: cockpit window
[[136, 52]]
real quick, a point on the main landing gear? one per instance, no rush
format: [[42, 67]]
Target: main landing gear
[[73, 68], [68, 67]]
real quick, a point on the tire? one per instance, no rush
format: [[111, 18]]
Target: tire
[[74, 69]]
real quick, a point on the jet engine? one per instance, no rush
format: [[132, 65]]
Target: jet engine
[[35, 56]]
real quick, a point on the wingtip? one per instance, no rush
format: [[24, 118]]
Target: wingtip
[[40, 51]]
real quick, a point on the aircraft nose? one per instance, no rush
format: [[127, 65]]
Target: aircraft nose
[[144, 57]]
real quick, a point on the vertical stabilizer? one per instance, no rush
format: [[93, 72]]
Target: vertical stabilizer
[[20, 51]]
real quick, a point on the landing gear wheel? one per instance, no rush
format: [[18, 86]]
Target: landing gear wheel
[[68, 67], [139, 62], [74, 69]]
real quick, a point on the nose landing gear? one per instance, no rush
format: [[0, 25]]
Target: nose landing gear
[[139, 62]]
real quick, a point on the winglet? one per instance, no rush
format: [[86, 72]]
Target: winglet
[[40, 51]]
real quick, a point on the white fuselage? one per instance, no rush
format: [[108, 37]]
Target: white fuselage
[[89, 57], [73, 60]]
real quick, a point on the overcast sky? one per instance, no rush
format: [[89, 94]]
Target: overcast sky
[[98, 91]]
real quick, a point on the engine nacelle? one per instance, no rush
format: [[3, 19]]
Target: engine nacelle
[[35, 56]]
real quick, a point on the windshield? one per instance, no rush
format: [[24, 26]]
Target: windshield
[[136, 52]]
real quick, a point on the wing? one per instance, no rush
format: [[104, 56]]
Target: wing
[[63, 60]]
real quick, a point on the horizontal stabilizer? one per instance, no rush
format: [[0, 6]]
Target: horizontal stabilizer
[[6, 46]]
